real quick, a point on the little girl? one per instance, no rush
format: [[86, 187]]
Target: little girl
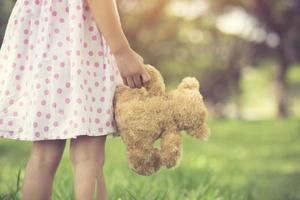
[[60, 62]]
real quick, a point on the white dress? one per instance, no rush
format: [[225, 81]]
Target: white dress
[[57, 74]]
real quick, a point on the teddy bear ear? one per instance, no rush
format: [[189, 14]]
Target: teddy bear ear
[[189, 83]]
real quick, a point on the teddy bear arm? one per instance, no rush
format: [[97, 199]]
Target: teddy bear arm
[[201, 132], [170, 147]]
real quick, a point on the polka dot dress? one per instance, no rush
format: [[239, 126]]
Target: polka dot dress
[[57, 73]]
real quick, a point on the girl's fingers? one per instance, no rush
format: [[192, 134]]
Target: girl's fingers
[[145, 76], [124, 81], [130, 82], [137, 81]]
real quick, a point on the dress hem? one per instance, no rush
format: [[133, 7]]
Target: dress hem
[[55, 137]]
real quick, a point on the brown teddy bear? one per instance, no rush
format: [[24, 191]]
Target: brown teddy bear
[[144, 115]]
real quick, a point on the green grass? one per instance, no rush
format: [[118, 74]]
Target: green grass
[[241, 160]]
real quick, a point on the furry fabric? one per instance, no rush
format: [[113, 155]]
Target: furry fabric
[[144, 115]]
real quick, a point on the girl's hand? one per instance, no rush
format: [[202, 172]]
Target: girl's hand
[[130, 64], [131, 67]]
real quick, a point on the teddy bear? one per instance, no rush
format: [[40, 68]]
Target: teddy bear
[[144, 115]]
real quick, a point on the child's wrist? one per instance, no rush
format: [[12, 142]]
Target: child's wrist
[[121, 50]]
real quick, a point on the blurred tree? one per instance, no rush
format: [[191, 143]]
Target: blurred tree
[[193, 44], [185, 47], [281, 19]]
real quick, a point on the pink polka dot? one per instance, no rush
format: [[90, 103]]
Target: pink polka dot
[[38, 114], [59, 90], [48, 115], [37, 134], [79, 100], [61, 111], [43, 102], [67, 100], [18, 87], [11, 101], [91, 28]]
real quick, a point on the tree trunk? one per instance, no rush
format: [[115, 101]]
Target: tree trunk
[[281, 83]]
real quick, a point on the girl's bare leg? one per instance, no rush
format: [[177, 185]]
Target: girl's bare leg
[[101, 188], [87, 154], [41, 168]]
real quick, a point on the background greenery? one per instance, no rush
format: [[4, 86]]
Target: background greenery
[[246, 56], [242, 160]]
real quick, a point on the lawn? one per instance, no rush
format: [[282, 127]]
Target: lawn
[[241, 160]]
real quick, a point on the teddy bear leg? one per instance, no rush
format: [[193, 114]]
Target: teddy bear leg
[[144, 160], [202, 132], [170, 148]]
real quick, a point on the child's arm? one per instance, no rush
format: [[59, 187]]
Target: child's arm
[[108, 21], [130, 64]]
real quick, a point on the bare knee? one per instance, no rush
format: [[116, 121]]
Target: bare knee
[[46, 155], [88, 149]]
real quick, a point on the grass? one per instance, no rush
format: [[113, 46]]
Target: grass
[[241, 160]]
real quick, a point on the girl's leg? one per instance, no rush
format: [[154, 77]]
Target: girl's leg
[[41, 168], [87, 154]]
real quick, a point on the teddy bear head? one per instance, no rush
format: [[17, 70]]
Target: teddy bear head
[[189, 110]]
